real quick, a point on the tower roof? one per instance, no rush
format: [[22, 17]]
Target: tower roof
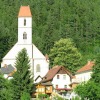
[[24, 11]]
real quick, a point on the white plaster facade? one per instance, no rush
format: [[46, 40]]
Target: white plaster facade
[[64, 80], [84, 73], [35, 56], [25, 28], [79, 78], [83, 77], [63, 83]]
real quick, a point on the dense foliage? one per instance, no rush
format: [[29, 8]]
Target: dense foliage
[[52, 20], [5, 91], [41, 96], [25, 96], [91, 89], [65, 53], [22, 82], [96, 70]]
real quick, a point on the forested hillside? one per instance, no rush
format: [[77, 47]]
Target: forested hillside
[[53, 20]]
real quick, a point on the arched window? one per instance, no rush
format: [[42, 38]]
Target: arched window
[[38, 68], [24, 35], [24, 22]]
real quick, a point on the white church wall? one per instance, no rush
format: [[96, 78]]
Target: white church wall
[[12, 54], [7, 62], [10, 57], [28, 22], [43, 67], [27, 28], [28, 31], [37, 53]]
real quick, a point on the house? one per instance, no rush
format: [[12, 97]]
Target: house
[[59, 79], [8, 71], [83, 74], [43, 88], [39, 63]]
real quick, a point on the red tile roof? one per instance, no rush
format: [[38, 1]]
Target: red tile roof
[[52, 72], [24, 11], [87, 67]]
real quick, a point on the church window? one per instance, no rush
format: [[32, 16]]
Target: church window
[[24, 22], [38, 68], [24, 35]]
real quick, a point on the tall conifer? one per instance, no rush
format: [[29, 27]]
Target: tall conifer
[[22, 81]]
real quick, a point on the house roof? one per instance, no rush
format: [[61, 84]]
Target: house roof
[[24, 11], [38, 77], [52, 72], [87, 67], [46, 83], [7, 69]]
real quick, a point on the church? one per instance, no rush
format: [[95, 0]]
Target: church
[[39, 63]]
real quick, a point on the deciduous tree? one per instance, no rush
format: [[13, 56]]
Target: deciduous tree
[[66, 54]]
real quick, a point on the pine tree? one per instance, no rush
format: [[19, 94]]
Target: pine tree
[[5, 91], [22, 81], [2, 87]]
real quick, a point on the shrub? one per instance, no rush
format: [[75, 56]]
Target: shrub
[[43, 96], [58, 98], [76, 98], [25, 96]]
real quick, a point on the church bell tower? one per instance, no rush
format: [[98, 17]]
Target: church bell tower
[[24, 25]]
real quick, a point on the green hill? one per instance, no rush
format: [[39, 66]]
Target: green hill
[[52, 20]]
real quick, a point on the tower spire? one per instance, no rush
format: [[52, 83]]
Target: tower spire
[[25, 11], [24, 25]]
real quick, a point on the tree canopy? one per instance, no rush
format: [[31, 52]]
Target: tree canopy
[[96, 70], [66, 54], [52, 20]]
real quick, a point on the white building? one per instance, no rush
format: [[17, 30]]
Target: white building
[[84, 73], [39, 63], [60, 78]]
